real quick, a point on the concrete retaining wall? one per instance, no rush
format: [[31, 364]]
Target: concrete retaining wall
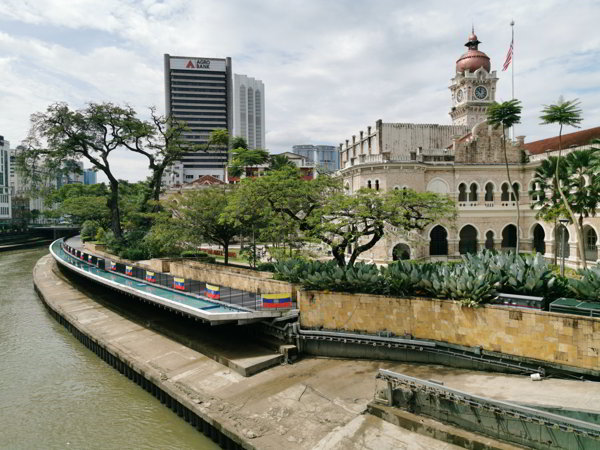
[[233, 277], [556, 338]]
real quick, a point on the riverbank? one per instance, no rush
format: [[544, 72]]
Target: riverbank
[[315, 403]]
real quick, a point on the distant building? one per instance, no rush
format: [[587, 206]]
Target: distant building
[[198, 91], [306, 167], [89, 176], [249, 110], [5, 194], [325, 157], [72, 173]]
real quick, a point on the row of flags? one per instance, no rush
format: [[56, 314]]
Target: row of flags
[[212, 291]]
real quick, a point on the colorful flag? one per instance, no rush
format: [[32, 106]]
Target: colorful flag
[[179, 283], [508, 57], [129, 271], [213, 292], [277, 300], [113, 266], [150, 277], [90, 258]]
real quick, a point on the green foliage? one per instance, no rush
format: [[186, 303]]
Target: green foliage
[[474, 280], [505, 114], [100, 236], [89, 229], [266, 267], [278, 162], [588, 287], [563, 113], [198, 255]]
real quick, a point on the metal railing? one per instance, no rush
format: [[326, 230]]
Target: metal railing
[[227, 295], [511, 410]]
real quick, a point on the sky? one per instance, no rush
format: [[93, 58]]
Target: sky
[[330, 67]]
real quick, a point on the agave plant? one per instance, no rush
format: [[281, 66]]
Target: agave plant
[[588, 287]]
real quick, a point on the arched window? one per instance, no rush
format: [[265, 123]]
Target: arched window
[[505, 192], [438, 241], [468, 240], [539, 236], [489, 240], [462, 192], [562, 242], [516, 189], [591, 244], [489, 192], [376, 185], [400, 252], [509, 237], [473, 192], [369, 184]]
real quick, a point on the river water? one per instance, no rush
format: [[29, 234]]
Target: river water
[[56, 394]]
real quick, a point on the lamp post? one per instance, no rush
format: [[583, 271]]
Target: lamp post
[[564, 223]]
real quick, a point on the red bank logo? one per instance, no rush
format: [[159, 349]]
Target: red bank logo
[[199, 64]]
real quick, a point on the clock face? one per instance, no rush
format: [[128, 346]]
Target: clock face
[[459, 95], [481, 92]]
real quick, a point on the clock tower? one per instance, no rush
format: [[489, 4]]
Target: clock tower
[[473, 87]]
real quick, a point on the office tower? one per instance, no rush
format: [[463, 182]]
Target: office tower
[[89, 176], [249, 110], [198, 91], [325, 157]]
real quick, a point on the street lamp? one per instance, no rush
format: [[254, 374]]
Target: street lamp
[[564, 223]]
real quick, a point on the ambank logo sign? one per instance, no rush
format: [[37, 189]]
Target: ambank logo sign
[[198, 64]]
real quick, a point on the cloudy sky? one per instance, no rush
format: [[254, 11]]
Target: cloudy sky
[[330, 67]]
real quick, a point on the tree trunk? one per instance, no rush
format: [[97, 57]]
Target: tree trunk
[[578, 229], [226, 252], [512, 189], [338, 254], [113, 204]]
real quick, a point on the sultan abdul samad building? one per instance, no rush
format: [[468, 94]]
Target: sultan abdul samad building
[[464, 160]]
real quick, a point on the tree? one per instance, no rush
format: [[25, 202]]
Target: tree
[[565, 113], [278, 162], [321, 210], [506, 115], [545, 193], [242, 157], [198, 215], [92, 133], [163, 144]]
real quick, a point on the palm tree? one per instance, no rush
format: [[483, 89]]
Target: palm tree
[[565, 113], [505, 115], [277, 162], [545, 195], [582, 188]]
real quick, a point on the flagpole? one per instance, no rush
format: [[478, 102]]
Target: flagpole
[[512, 27]]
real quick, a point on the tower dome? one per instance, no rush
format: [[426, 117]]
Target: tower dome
[[473, 59]]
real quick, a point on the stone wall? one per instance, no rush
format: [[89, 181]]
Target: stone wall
[[237, 278], [556, 338]]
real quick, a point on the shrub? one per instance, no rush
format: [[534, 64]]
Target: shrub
[[135, 254], [588, 287], [193, 254], [89, 228], [100, 235], [266, 267]]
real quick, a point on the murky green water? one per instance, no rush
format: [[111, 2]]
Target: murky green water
[[56, 394]]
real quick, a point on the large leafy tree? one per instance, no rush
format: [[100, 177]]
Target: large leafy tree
[[565, 113], [93, 134], [320, 210], [278, 162], [242, 157], [506, 115], [198, 218]]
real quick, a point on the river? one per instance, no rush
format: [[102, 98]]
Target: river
[[56, 394]]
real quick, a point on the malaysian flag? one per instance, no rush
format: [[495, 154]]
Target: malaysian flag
[[508, 57]]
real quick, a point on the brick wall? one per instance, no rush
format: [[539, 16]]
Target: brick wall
[[557, 338]]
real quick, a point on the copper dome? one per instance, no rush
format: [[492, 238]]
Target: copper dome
[[473, 60]]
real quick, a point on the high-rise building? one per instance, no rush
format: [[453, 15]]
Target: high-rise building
[[5, 208], [89, 176], [199, 91], [249, 110], [324, 157]]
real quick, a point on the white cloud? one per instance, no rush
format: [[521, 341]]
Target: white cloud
[[330, 68]]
